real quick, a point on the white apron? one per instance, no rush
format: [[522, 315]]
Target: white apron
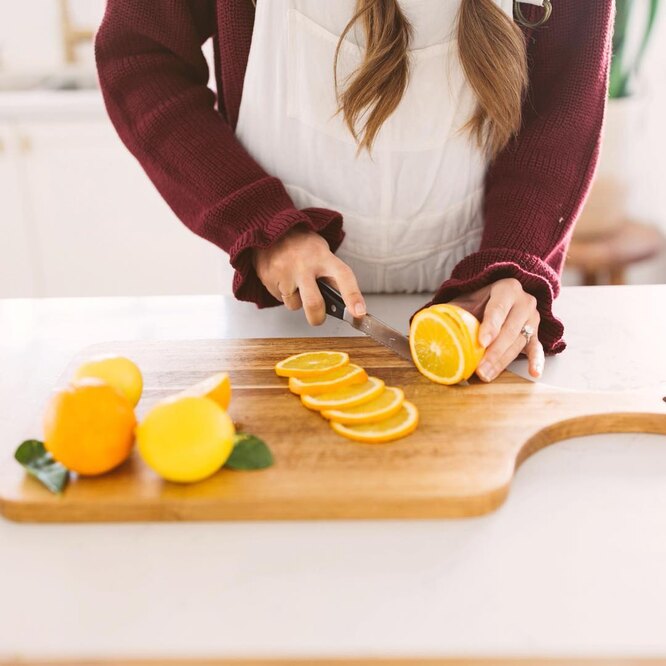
[[411, 209]]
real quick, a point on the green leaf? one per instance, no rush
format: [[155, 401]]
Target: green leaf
[[39, 463], [249, 452]]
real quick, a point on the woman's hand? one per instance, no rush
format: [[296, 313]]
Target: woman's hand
[[290, 267], [504, 308]]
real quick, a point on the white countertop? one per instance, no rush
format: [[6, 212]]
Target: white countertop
[[573, 564]]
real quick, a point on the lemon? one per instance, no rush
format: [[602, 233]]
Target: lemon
[[185, 439], [117, 371]]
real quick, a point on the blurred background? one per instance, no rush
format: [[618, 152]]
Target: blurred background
[[78, 217]]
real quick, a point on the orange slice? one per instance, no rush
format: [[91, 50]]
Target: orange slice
[[468, 326], [382, 407], [310, 364], [399, 425], [217, 388], [348, 396], [436, 347], [329, 381]]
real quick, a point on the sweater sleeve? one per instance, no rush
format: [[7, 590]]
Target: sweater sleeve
[[536, 186], [153, 77]]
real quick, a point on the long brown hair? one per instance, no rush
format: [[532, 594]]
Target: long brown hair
[[493, 55]]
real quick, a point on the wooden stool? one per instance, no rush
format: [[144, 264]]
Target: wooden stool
[[609, 256]]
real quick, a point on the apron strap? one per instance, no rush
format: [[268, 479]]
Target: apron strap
[[520, 17]]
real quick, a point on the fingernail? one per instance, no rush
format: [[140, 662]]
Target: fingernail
[[538, 366], [359, 309], [485, 339], [486, 371]]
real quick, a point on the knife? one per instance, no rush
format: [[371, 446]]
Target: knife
[[371, 326]]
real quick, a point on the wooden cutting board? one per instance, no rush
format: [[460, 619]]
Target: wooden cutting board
[[351, 661], [460, 461]]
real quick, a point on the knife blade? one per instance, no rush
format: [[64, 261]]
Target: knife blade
[[371, 326]]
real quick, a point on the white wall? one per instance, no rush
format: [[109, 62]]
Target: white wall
[[30, 41], [649, 200]]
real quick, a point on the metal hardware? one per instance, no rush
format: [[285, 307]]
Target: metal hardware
[[520, 17], [72, 35], [25, 144]]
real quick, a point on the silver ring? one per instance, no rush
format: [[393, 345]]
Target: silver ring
[[293, 293], [528, 332]]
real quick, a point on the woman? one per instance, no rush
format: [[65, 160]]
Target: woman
[[455, 140]]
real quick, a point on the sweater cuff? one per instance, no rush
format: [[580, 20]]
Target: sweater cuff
[[536, 276], [246, 285]]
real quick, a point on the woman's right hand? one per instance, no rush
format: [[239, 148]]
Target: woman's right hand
[[289, 270]]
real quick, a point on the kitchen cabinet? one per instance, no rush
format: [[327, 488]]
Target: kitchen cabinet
[[84, 220]]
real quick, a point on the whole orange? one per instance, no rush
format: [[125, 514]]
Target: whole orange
[[89, 427]]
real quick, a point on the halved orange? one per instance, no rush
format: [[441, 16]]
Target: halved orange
[[217, 388], [468, 326], [436, 347], [399, 425], [310, 364], [329, 381], [348, 396], [382, 407]]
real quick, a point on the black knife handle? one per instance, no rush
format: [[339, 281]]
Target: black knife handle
[[335, 306]]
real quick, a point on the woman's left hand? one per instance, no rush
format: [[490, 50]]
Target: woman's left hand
[[504, 308]]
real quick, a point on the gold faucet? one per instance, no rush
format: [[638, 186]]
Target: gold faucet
[[72, 35]]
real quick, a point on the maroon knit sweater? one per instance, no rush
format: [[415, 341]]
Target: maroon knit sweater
[[154, 80]]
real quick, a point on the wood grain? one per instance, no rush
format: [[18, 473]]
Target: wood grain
[[460, 462]]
